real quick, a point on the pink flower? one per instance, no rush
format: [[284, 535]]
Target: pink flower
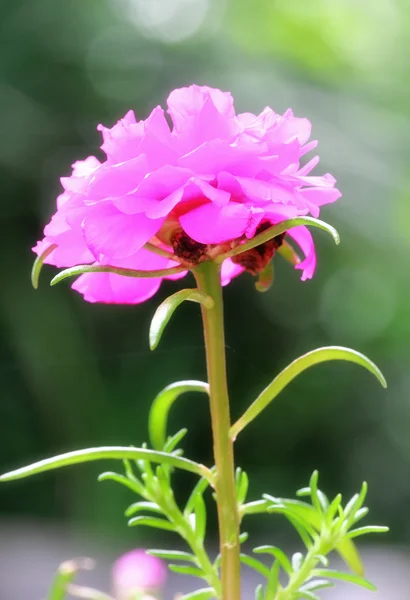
[[136, 574], [211, 181]]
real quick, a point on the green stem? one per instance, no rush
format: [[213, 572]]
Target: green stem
[[207, 276], [298, 578]]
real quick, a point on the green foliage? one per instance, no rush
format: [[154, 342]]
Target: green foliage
[[323, 527], [154, 486], [158, 416], [293, 370], [165, 311]]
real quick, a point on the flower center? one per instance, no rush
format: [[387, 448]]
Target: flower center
[[188, 249], [255, 260]]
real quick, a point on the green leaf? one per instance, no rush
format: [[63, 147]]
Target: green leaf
[[158, 417], [132, 484], [273, 581], [151, 522], [242, 485], [80, 269], [295, 368], [278, 554], [200, 518], [186, 570], [344, 577], [254, 564], [172, 555], [287, 252], [198, 490], [333, 508], [308, 595], [276, 230], [38, 265], [314, 492], [297, 561], [107, 452], [255, 508], [173, 440], [165, 311], [259, 592], [316, 584], [203, 594], [368, 529], [243, 537], [346, 548], [265, 278], [142, 506], [348, 551], [65, 575]]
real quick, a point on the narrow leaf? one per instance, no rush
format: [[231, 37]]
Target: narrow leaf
[[152, 522], [273, 581], [172, 555], [255, 564], [200, 518], [265, 278], [107, 452], [165, 311], [173, 440], [316, 584], [259, 592], [185, 570], [203, 594], [368, 529], [276, 230], [38, 265], [80, 269], [158, 416], [344, 577], [142, 506], [348, 551], [308, 595], [278, 554], [198, 490], [133, 484], [295, 368]]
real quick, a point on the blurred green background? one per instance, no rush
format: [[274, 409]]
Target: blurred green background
[[75, 375]]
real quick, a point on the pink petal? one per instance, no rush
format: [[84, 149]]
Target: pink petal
[[230, 270], [117, 289], [319, 196], [212, 224], [189, 101], [303, 237], [116, 235], [116, 179]]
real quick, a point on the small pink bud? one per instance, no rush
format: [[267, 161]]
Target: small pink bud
[[136, 574]]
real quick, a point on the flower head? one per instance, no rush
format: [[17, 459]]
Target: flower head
[[196, 189], [136, 574]]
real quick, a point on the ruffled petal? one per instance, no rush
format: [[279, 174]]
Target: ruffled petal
[[116, 235], [188, 102], [211, 224], [116, 289], [304, 238]]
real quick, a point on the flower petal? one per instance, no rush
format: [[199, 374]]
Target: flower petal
[[304, 238], [116, 235], [212, 224]]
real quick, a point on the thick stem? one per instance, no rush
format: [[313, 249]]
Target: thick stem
[[208, 280]]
